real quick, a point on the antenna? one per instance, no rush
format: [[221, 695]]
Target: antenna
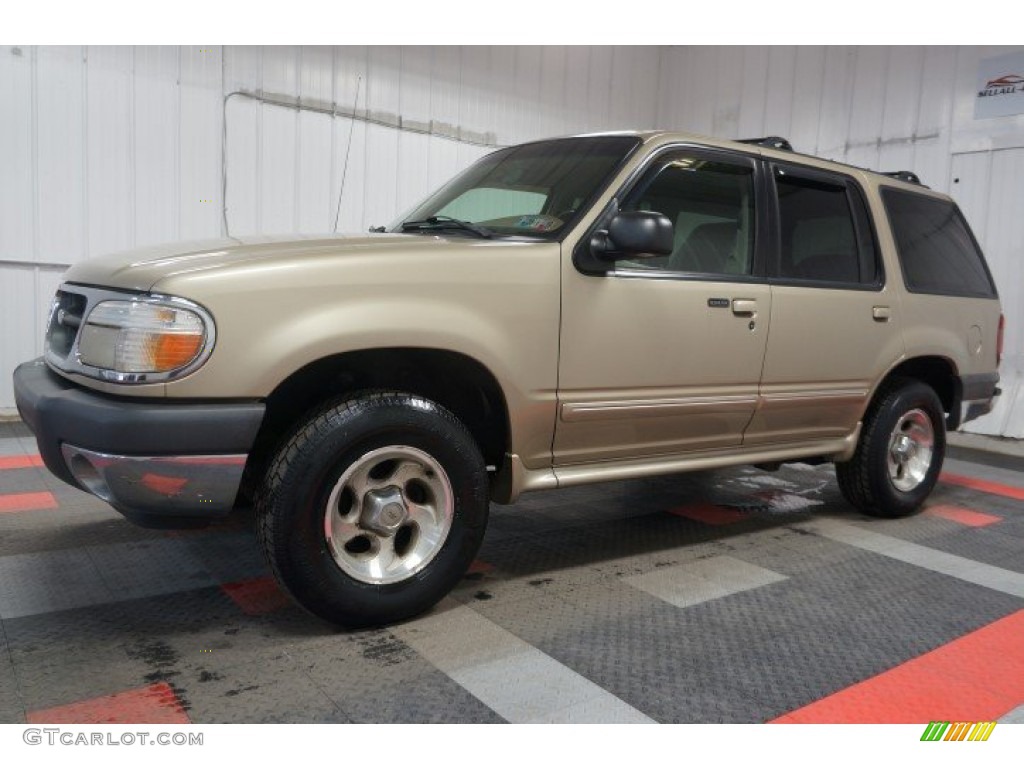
[[348, 149]]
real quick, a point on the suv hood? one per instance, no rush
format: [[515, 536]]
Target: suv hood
[[141, 269]]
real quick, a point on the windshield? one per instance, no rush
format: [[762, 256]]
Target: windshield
[[535, 190]]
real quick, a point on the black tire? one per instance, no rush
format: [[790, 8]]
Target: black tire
[[291, 504], [865, 480]]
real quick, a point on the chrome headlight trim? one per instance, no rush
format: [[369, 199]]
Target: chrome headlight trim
[[73, 363]]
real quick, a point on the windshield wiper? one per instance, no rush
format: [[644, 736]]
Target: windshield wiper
[[446, 222]]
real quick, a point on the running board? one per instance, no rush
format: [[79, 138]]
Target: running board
[[515, 479]]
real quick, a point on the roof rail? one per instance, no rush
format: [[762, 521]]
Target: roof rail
[[908, 176], [772, 142]]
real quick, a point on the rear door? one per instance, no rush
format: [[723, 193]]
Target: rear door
[[835, 321]]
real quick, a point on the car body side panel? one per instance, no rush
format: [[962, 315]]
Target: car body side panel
[[498, 304], [825, 353], [959, 329], [648, 367]]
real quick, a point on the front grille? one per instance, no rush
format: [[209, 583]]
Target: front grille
[[65, 320]]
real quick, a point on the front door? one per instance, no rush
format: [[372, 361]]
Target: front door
[[662, 355]]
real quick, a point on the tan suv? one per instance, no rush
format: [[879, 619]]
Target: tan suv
[[563, 312]]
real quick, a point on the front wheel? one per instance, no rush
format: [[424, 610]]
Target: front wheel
[[900, 453], [374, 508]]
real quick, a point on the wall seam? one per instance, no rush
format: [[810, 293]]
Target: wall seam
[[84, 63]]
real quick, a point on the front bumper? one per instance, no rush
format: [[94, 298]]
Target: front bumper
[[155, 461]]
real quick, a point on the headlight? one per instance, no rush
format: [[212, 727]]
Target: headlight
[[144, 339]]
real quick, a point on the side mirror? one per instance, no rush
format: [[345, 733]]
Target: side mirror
[[634, 233]]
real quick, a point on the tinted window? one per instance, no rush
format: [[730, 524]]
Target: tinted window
[[936, 250], [711, 206], [819, 236]]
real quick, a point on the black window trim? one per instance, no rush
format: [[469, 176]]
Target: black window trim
[[884, 190], [584, 262], [853, 190]]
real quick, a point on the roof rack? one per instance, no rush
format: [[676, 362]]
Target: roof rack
[[908, 176], [772, 142]]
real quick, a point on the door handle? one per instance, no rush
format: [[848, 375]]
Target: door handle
[[881, 314], [744, 307]]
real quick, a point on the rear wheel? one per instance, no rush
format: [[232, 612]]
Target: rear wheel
[[374, 508], [900, 453]]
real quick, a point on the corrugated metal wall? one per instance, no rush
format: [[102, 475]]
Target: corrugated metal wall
[[102, 149]]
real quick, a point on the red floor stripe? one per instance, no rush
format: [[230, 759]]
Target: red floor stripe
[[21, 462], [256, 596], [479, 566], [711, 514], [23, 502], [153, 704], [999, 489], [979, 676], [962, 515]]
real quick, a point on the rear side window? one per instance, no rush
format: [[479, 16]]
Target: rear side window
[[937, 252], [823, 234]]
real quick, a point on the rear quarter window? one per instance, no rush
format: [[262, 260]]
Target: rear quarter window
[[937, 252]]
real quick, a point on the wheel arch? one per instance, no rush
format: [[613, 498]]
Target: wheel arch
[[456, 381], [939, 373]]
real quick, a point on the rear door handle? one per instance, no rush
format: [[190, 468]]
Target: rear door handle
[[744, 307], [881, 314]]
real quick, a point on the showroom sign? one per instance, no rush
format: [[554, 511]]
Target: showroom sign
[[1000, 86]]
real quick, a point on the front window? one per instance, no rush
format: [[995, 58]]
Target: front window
[[535, 190], [710, 202]]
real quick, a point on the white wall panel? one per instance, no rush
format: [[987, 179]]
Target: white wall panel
[[314, 188], [599, 95], [351, 161], [17, 155], [413, 171], [993, 186], [778, 109], [60, 156], [550, 116], [243, 117], [834, 111], [753, 91], [157, 143], [17, 318], [577, 89], [526, 90], [380, 150], [108, 159], [278, 141], [808, 90], [200, 121]]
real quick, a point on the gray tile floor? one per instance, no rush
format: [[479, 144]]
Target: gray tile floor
[[625, 602]]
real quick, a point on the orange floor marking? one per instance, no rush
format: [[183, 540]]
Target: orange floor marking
[[711, 514], [256, 596], [156, 703], [986, 486], [962, 515], [977, 677], [21, 462], [24, 502]]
